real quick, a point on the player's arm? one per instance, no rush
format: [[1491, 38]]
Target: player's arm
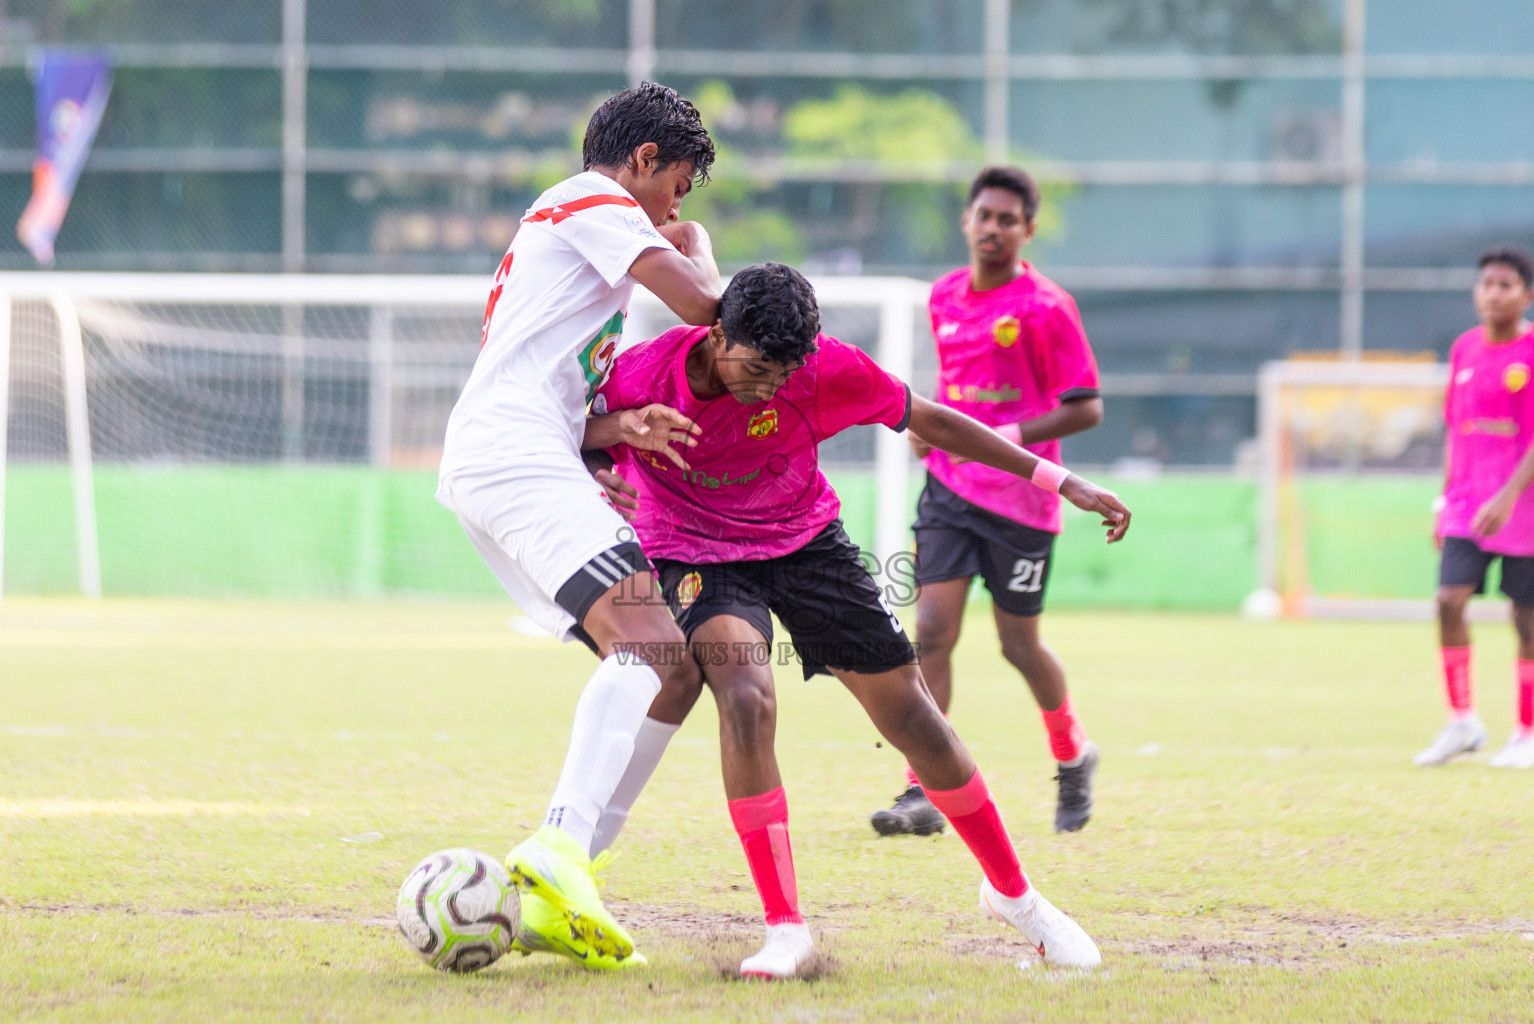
[[1069, 417], [1493, 515], [685, 278], [958, 434], [624, 498], [654, 427]]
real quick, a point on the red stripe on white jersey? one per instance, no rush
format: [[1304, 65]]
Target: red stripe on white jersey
[[563, 211]]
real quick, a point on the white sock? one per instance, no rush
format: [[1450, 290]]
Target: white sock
[[649, 745], [608, 716]]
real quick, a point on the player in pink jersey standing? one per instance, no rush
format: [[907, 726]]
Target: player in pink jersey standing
[[1012, 353], [751, 529], [1487, 510]]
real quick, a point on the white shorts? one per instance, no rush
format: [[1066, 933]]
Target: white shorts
[[535, 525]]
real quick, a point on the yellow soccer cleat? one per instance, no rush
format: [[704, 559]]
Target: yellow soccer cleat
[[552, 866], [545, 930]]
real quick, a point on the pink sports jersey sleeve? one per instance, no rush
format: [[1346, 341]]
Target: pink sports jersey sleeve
[[1064, 357], [852, 389]]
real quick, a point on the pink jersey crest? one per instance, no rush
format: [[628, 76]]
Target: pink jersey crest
[[1007, 355], [754, 489]]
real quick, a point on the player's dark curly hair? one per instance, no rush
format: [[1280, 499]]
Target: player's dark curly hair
[[772, 308], [1015, 180], [650, 112], [1509, 256]]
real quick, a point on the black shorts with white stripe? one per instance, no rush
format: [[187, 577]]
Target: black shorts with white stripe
[[599, 575]]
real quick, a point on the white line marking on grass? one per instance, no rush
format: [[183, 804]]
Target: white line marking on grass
[[108, 639], [66, 808]]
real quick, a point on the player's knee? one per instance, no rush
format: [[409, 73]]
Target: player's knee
[[681, 681], [936, 635], [1452, 602], [1021, 651], [748, 707]]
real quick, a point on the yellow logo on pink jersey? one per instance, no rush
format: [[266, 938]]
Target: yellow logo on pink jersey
[[1516, 377], [688, 590], [955, 393], [763, 424], [1006, 330]]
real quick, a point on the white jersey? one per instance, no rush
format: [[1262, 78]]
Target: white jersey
[[551, 329]]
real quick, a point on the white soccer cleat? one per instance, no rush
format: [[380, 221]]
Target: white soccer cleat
[[1519, 752], [1058, 939], [1460, 736], [787, 951]]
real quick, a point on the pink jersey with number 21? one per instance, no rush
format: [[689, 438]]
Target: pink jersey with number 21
[[1489, 413], [1007, 355]]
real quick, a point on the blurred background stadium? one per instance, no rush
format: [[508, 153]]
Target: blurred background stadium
[[1228, 182]]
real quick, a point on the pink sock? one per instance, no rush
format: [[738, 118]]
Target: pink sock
[[762, 823], [1526, 696], [1065, 732], [974, 816], [1456, 680]]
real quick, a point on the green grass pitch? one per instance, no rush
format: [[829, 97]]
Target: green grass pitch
[[206, 810]]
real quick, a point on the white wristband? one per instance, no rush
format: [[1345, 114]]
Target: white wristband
[[1438, 503], [1049, 476]]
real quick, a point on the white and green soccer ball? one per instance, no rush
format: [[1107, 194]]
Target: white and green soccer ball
[[459, 910]]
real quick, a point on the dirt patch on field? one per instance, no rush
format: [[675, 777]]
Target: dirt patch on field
[[1293, 941], [693, 925], [1002, 946], [243, 913]]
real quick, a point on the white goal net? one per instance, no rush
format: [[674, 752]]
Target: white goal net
[[1351, 458], [279, 435]]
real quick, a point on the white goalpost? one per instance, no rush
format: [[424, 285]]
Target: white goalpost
[[1351, 453], [230, 433]]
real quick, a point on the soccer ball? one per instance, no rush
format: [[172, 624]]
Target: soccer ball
[[459, 910]]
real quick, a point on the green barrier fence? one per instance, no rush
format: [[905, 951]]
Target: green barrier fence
[[264, 531]]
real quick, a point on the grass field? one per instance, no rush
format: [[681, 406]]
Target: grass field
[[206, 809]]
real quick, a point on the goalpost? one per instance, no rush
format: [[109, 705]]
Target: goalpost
[[1351, 455], [275, 435]]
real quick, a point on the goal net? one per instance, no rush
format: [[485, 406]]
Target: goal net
[[279, 436], [1351, 458]]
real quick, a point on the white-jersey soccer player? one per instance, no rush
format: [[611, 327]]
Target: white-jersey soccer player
[[512, 471]]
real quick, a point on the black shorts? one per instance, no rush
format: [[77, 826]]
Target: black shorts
[[823, 594], [599, 575], [1462, 563], [956, 539]]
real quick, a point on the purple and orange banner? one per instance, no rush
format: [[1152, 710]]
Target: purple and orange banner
[[72, 90]]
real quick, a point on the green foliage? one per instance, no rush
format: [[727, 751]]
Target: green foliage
[[855, 124]]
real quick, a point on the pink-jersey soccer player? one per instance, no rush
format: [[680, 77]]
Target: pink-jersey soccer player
[[752, 529], [1013, 355], [1487, 510]]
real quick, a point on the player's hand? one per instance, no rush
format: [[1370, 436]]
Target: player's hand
[[1493, 515], [1089, 497], [658, 428], [620, 493], [688, 236], [920, 447]]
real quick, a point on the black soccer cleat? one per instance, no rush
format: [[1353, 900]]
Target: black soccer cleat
[[912, 815], [1074, 805]]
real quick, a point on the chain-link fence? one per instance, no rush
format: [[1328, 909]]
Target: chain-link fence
[[1227, 180]]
